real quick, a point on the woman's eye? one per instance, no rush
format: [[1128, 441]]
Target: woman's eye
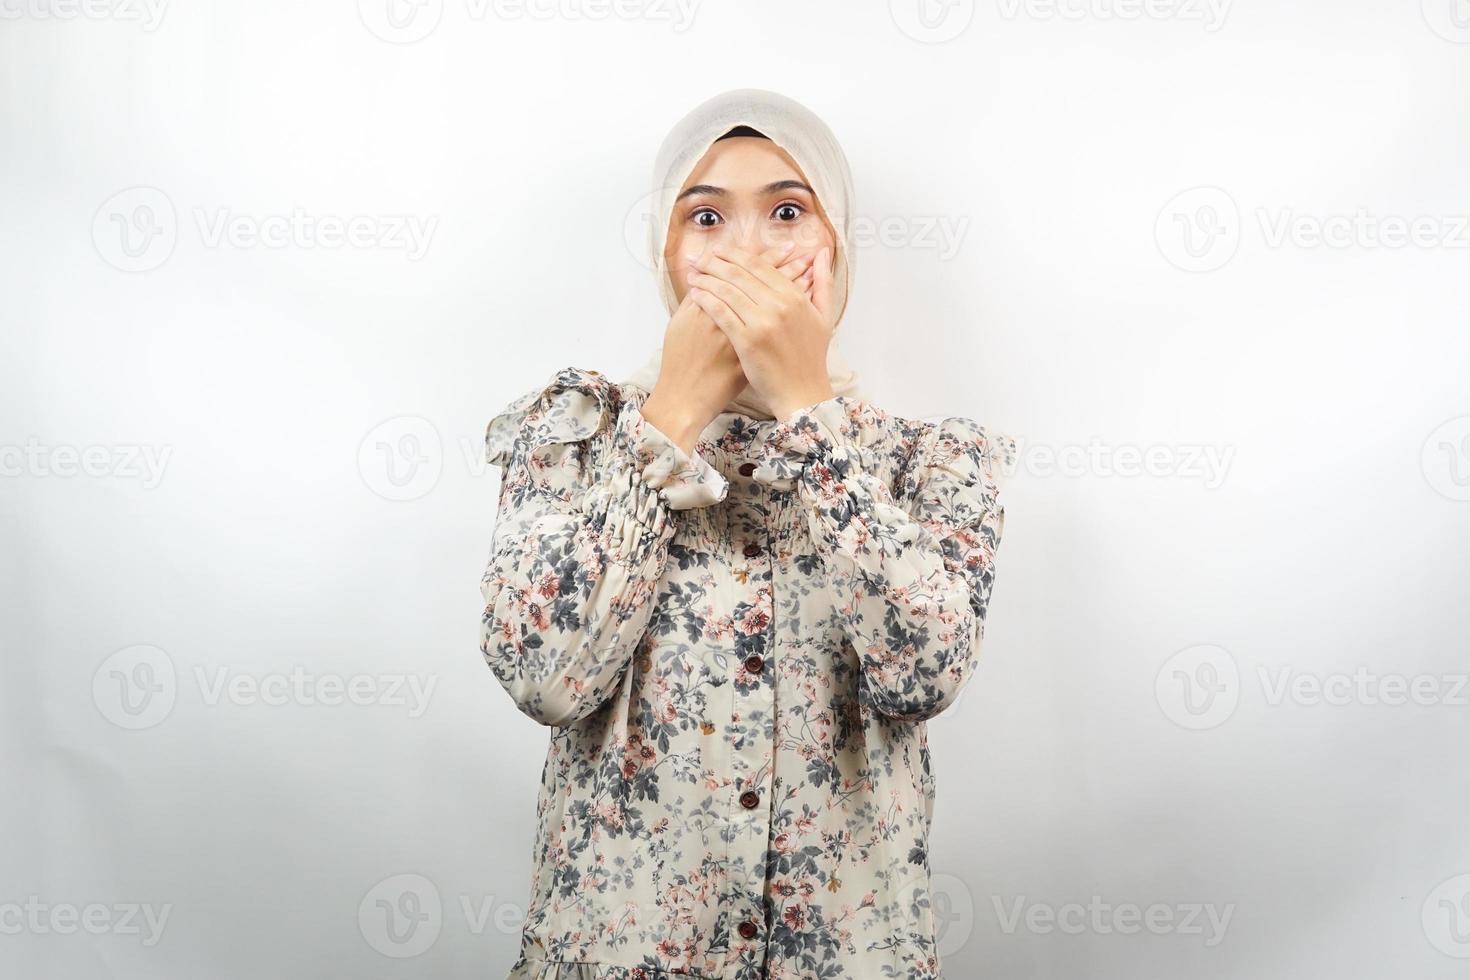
[[789, 211], [698, 218]]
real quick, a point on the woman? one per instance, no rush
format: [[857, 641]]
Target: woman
[[736, 590]]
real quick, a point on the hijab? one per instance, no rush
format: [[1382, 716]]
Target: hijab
[[798, 131]]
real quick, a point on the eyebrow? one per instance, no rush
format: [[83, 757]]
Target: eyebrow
[[771, 188]]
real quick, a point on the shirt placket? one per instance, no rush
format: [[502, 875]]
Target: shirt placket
[[753, 716]]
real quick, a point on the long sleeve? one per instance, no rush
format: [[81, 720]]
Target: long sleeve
[[911, 576], [588, 494]]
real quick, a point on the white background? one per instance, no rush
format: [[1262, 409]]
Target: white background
[[1171, 225]]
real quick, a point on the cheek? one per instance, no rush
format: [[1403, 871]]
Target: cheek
[[811, 235], [678, 266], [677, 263], [673, 246]]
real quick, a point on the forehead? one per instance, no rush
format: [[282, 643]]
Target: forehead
[[742, 163]]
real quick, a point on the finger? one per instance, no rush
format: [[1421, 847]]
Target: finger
[[778, 254], [822, 283], [743, 269], [790, 272], [796, 267], [718, 310], [741, 305], [766, 272], [783, 260]]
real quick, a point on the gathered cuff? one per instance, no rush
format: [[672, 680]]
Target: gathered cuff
[[631, 520], [683, 480], [820, 432]]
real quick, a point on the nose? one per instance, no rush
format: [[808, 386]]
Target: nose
[[750, 236], [761, 237]]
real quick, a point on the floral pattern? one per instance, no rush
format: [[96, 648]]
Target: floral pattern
[[735, 652]]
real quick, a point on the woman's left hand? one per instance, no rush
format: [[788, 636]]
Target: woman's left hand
[[779, 331]]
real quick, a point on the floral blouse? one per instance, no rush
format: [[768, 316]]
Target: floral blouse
[[736, 652]]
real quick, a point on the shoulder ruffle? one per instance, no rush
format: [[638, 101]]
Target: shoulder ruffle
[[573, 405], [973, 460], [844, 424], [980, 451]]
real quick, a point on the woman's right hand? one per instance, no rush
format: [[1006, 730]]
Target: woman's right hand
[[699, 371]]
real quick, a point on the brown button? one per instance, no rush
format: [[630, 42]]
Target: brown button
[[754, 663], [748, 930], [750, 799], [753, 550], [746, 469]]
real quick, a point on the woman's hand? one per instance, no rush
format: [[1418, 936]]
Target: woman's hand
[[699, 371], [780, 331]]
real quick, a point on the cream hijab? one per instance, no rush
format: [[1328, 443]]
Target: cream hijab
[[798, 131]]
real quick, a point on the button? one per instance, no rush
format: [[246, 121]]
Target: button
[[748, 930], [750, 799], [753, 550], [754, 663], [746, 469]]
